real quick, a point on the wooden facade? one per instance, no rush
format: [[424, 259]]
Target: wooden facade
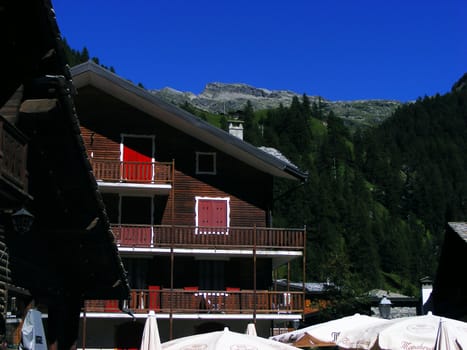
[[13, 158], [249, 190], [189, 206], [13, 192]]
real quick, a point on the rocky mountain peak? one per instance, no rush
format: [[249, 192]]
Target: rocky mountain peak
[[224, 91]]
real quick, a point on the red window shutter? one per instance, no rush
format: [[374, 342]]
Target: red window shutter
[[212, 213], [204, 213], [219, 213], [136, 166]]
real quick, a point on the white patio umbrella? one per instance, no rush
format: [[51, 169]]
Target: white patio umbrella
[[405, 333], [32, 332], [419, 332], [251, 329], [324, 334], [151, 338], [222, 340]]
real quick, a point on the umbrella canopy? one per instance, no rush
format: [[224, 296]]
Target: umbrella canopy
[[362, 336], [420, 332], [222, 340], [151, 339], [324, 334]]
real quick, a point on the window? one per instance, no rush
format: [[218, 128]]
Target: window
[[137, 155], [206, 163], [212, 215]]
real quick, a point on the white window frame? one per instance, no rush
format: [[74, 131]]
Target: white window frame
[[226, 199], [214, 163]]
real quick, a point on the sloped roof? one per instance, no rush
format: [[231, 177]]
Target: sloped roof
[[310, 287], [449, 295], [90, 73], [276, 153], [460, 228]]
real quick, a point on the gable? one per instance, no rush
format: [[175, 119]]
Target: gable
[[90, 74]]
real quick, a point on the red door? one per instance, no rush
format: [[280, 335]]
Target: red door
[[137, 160], [212, 213]]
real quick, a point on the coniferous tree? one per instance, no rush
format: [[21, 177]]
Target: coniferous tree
[[251, 132]]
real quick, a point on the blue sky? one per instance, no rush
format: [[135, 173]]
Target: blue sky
[[337, 49]]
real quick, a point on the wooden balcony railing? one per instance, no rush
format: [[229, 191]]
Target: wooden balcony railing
[[13, 155], [208, 237], [205, 301], [140, 172]]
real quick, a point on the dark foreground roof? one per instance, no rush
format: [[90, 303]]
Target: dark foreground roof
[[70, 248], [92, 74]]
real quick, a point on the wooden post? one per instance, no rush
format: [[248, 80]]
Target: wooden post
[[83, 345], [172, 212], [172, 258], [304, 273], [171, 284], [254, 275]]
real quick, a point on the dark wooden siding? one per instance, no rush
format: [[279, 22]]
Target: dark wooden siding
[[242, 213], [104, 119], [100, 146]]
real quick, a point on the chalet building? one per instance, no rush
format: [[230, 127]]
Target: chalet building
[[449, 295], [57, 249], [190, 207]]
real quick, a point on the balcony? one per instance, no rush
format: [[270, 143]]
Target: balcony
[[13, 156], [226, 238], [185, 301], [118, 176]]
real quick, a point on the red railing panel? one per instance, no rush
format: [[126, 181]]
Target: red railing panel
[[139, 172], [205, 301], [225, 237], [133, 235]]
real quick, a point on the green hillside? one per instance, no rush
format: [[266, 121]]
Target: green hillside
[[377, 201]]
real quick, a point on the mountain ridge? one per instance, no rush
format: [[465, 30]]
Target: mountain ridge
[[228, 98]]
